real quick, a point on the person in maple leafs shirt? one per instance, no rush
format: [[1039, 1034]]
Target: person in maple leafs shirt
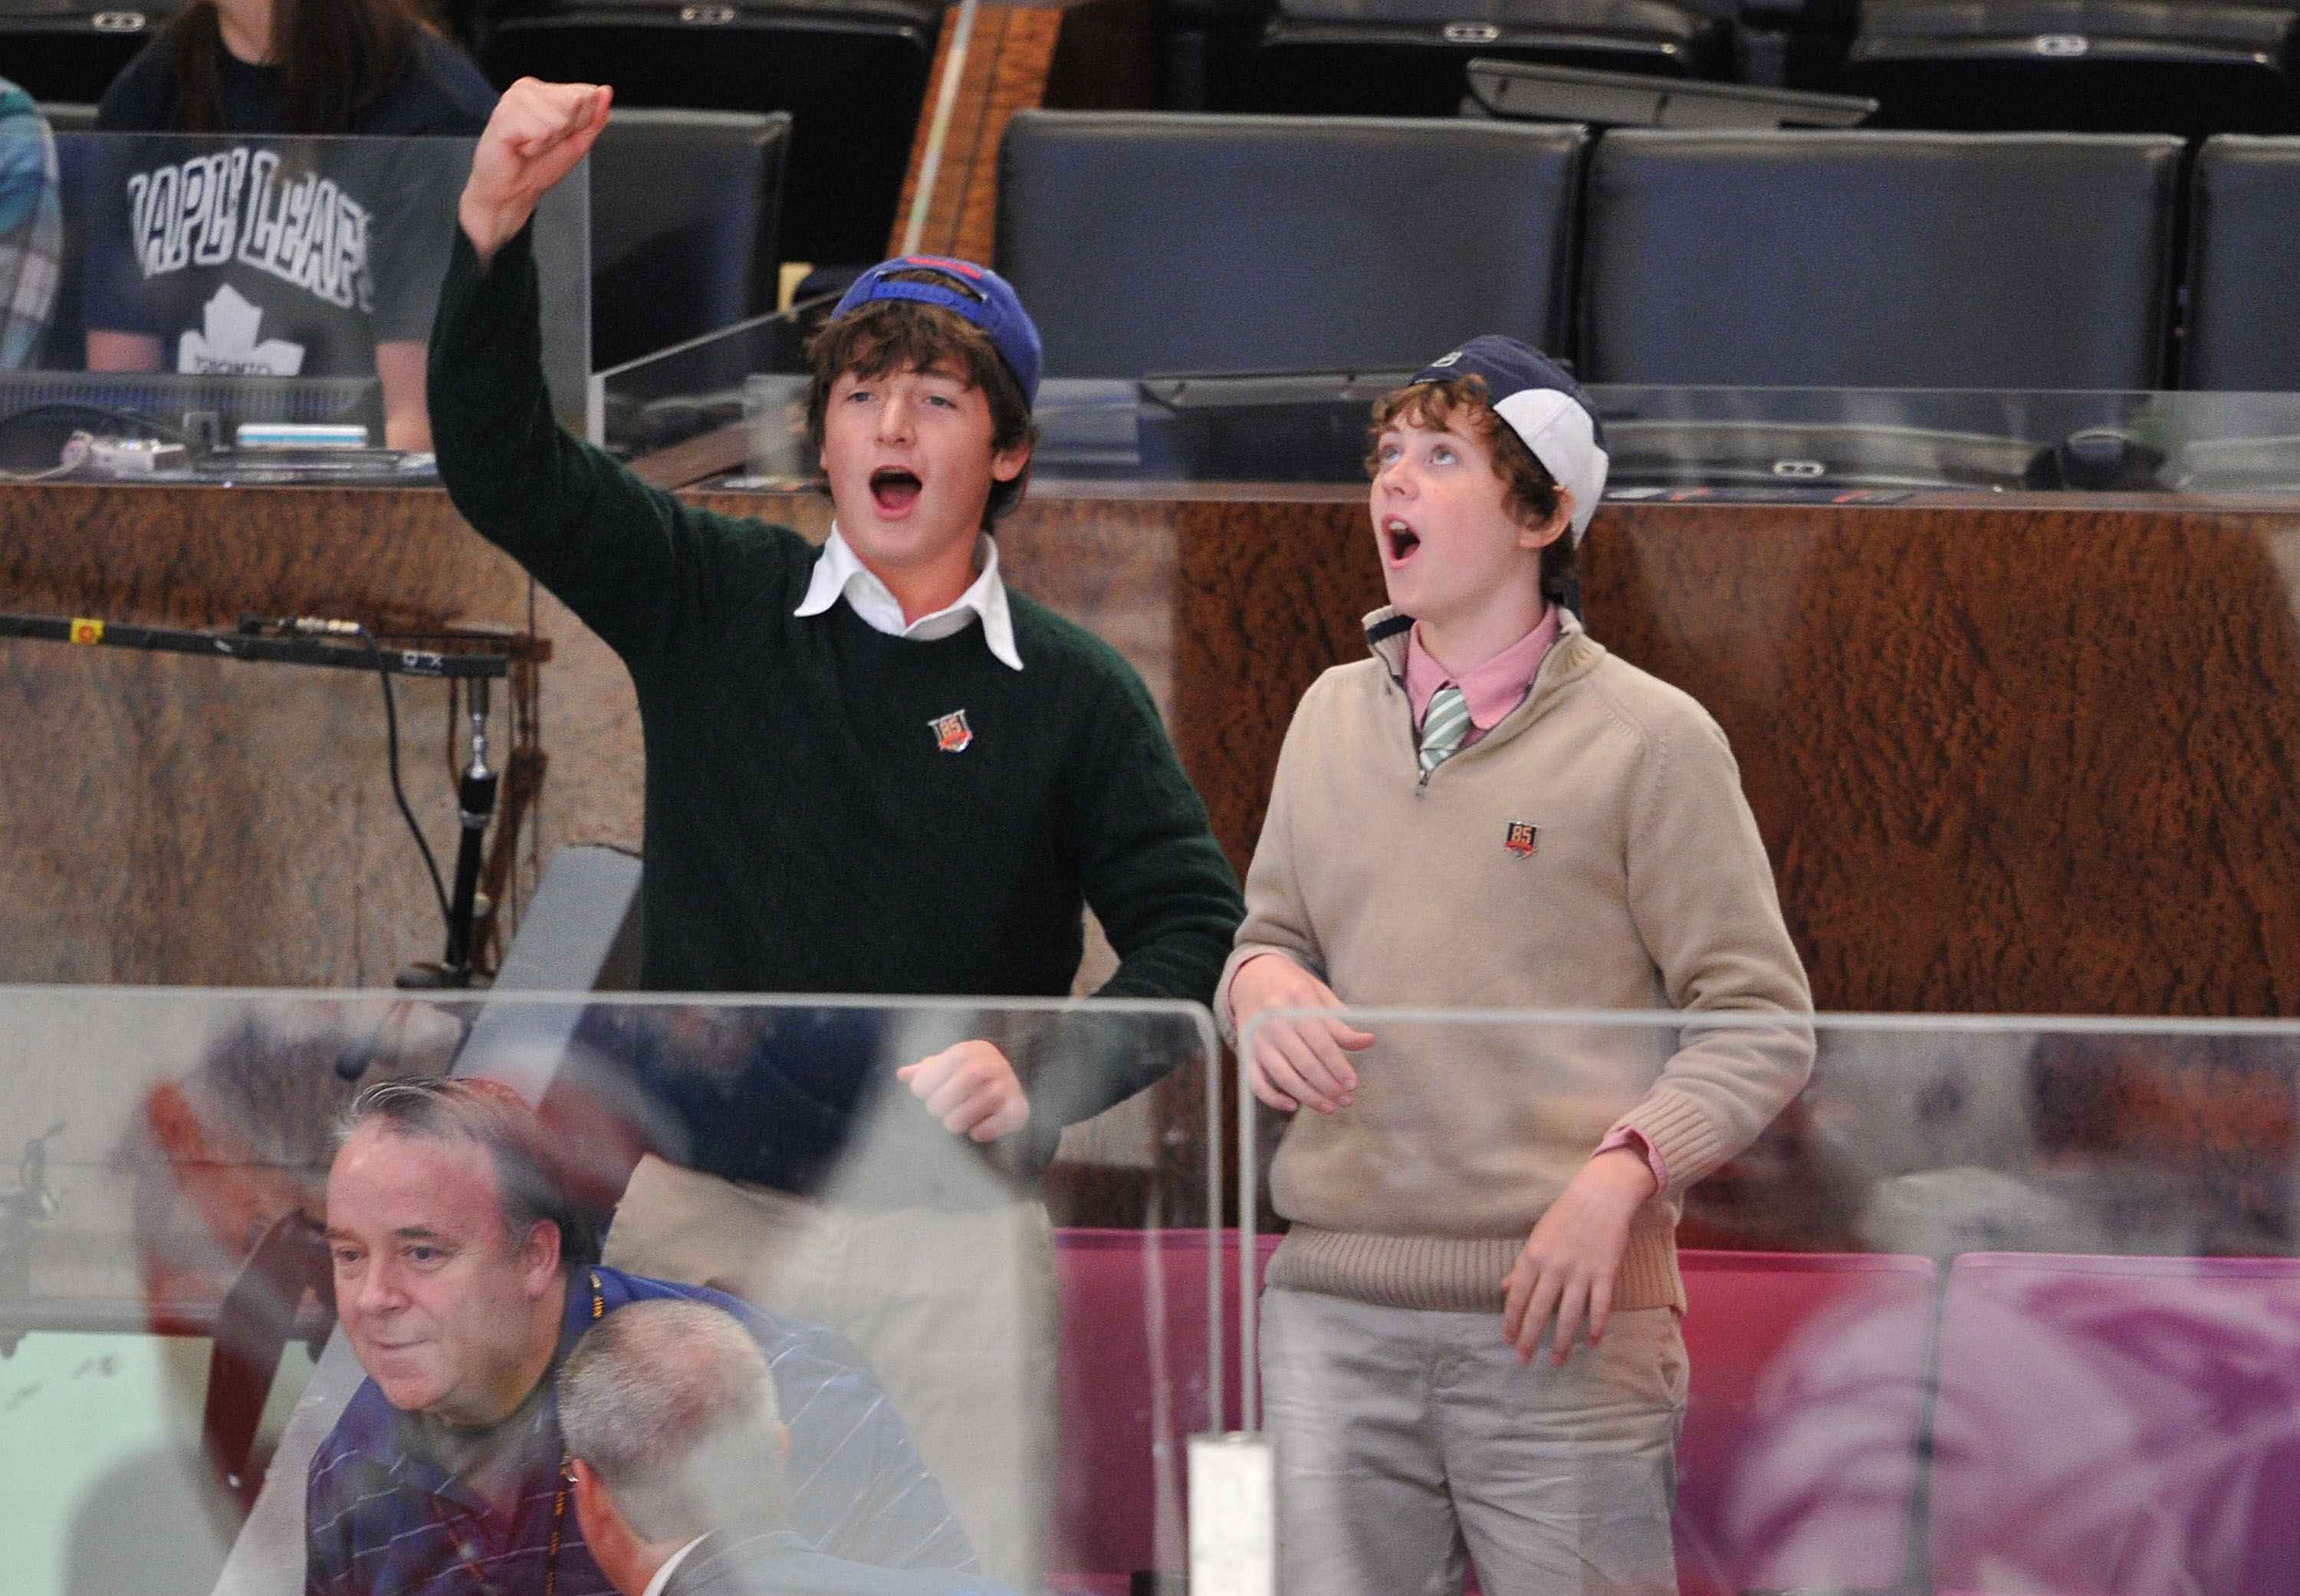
[[248, 248]]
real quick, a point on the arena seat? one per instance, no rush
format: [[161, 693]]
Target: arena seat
[[67, 116], [2244, 212], [64, 347], [1860, 259], [684, 209], [851, 72], [1411, 57], [1246, 243], [2118, 1424], [2108, 66], [71, 50], [1799, 1460], [1132, 1376]]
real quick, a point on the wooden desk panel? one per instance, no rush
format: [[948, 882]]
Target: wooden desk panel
[[2023, 756], [2007, 758], [181, 820], [2032, 755]]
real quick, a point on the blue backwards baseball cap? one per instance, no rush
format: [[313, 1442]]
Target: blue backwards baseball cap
[[975, 292], [1544, 406]]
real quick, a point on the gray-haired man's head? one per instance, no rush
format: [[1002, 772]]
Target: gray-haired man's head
[[672, 1405]]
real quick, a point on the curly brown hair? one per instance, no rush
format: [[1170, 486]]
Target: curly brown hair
[[904, 335], [1528, 491]]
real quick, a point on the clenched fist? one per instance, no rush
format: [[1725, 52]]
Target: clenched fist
[[538, 132], [972, 1088]]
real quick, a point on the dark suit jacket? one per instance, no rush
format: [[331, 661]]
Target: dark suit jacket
[[777, 1562]]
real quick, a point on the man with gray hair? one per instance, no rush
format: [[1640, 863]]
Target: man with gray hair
[[676, 1452], [463, 1278]]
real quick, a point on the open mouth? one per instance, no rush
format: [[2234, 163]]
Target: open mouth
[[894, 489], [1400, 539]]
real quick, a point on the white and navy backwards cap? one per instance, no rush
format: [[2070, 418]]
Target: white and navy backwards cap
[[1544, 406]]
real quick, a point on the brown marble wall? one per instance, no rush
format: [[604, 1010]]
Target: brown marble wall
[[2026, 756], [2036, 756], [174, 820], [2011, 759]]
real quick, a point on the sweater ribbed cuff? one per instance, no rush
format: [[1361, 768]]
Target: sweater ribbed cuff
[[1677, 1127], [1454, 1274]]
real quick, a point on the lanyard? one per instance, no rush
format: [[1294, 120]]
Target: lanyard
[[566, 1470]]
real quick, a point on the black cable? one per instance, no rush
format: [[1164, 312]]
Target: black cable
[[398, 793]]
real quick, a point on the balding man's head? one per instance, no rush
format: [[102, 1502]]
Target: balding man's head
[[672, 1405]]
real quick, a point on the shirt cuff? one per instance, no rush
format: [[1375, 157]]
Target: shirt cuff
[[1635, 1139]]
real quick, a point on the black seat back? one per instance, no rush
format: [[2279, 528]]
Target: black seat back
[[852, 73], [684, 208], [72, 49], [2244, 277], [1411, 57], [1144, 242], [65, 347], [2193, 68], [1859, 259]]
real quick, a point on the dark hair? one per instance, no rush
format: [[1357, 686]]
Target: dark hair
[[442, 1108], [905, 335], [341, 57], [1530, 492]]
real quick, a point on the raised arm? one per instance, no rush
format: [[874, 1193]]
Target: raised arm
[[627, 558]]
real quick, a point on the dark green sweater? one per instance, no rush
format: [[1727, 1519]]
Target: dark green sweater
[[804, 832]]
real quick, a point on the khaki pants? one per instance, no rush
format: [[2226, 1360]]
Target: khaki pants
[[1406, 1438], [955, 1312]]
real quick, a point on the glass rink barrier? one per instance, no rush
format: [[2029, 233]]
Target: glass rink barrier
[[746, 388], [1987, 1305], [252, 309], [523, 1294]]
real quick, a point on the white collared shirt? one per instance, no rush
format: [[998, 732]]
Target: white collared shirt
[[671, 1566], [841, 573]]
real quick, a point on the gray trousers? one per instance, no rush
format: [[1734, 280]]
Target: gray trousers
[[1406, 1439]]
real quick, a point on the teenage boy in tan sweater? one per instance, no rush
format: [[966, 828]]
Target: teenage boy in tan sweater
[[1495, 812]]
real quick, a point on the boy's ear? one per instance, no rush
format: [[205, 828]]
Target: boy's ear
[[1006, 464], [1540, 535]]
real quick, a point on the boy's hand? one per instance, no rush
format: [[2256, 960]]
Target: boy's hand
[[538, 132], [1295, 1061], [971, 1088], [1568, 1266]]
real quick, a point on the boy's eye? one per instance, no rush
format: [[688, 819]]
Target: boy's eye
[[1443, 454]]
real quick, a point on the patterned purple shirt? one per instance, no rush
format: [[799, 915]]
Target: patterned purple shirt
[[383, 1519]]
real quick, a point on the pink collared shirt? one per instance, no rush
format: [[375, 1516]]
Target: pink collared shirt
[[1493, 690]]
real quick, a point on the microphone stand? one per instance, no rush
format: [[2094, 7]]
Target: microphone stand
[[475, 797]]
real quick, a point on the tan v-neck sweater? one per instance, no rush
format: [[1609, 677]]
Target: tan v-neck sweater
[[1593, 852]]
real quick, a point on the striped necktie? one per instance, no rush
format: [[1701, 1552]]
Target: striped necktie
[[1444, 726]]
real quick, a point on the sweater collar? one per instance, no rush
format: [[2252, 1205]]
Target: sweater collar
[[1573, 653]]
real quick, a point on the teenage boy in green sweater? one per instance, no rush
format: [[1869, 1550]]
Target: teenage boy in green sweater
[[1495, 812], [870, 769]]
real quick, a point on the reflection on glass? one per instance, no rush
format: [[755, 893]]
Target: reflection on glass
[[1998, 1305], [254, 308], [966, 1387], [1724, 444]]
